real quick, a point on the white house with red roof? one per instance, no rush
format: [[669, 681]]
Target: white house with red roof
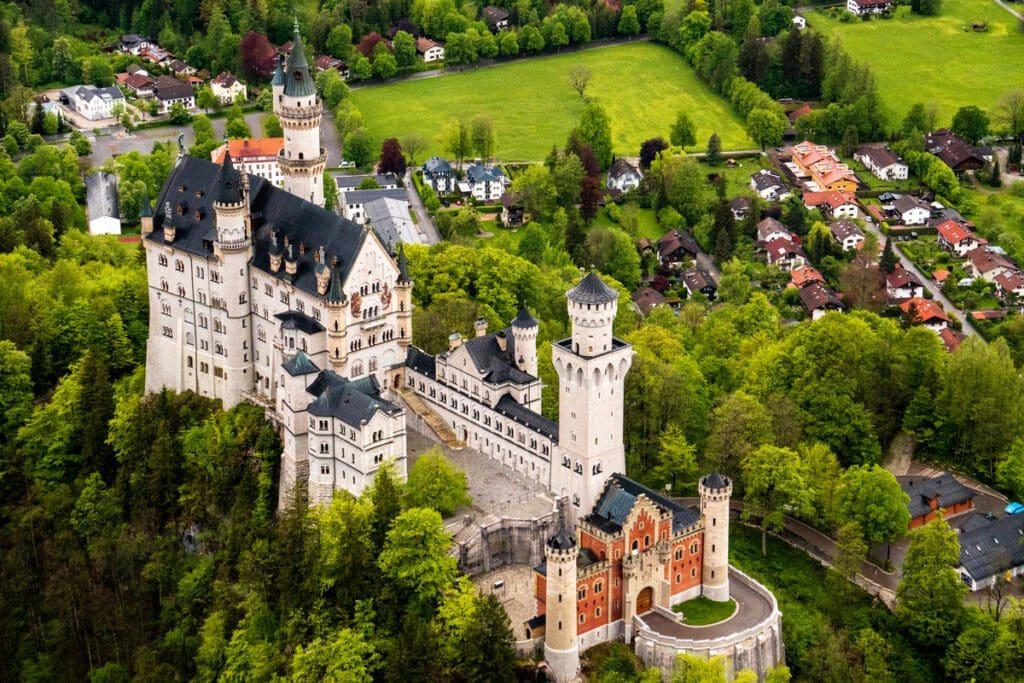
[[988, 264], [785, 253], [956, 238], [805, 275], [926, 313], [833, 204], [902, 284], [1011, 283]]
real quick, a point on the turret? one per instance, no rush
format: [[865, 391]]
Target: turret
[[403, 294], [592, 308], [561, 647], [277, 83], [300, 112], [146, 215], [229, 203], [524, 331], [715, 490], [336, 319]]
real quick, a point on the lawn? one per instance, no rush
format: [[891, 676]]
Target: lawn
[[933, 59], [641, 85], [647, 221], [700, 611]]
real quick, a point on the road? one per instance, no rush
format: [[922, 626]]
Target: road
[[1010, 10], [928, 283], [424, 222]]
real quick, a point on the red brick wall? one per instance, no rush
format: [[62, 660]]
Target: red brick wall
[[592, 602], [541, 592], [643, 527], [946, 511], [685, 565]]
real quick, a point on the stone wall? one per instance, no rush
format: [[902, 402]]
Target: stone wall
[[507, 541]]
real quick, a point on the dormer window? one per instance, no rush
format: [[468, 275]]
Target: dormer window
[[297, 75], [198, 215], [181, 209]]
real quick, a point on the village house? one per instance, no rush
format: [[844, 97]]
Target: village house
[[95, 103], [769, 186], [646, 298], [353, 202], [496, 18], [833, 204], [486, 183], [882, 162], [429, 50], [512, 211], [911, 210], [821, 164], [799, 21], [140, 84], [986, 263], [384, 181], [847, 234], [624, 176], [696, 279], [675, 248], [770, 229], [804, 275], [226, 88], [438, 174], [157, 55], [956, 238], [740, 207], [925, 312], [170, 91], [133, 43], [101, 205], [784, 253], [819, 300], [258, 156], [954, 152], [902, 284], [951, 339], [864, 7], [928, 495], [1010, 284], [327, 63], [991, 550], [180, 69]]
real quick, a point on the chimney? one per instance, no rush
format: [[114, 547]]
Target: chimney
[[168, 228], [480, 326], [454, 341], [502, 340]]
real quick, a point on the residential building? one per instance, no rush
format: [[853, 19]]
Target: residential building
[[353, 202], [486, 183], [847, 234], [770, 229], [991, 551], [954, 152], [910, 210], [676, 247], [902, 284], [769, 186], [258, 156], [180, 69], [928, 495], [1010, 285], [384, 181], [804, 275], [696, 279], [140, 84], [799, 21], [822, 165], [951, 339], [740, 207], [956, 238], [438, 174], [429, 50], [512, 211], [326, 63], [833, 204], [227, 88], [134, 43], [391, 220], [623, 176], [987, 264], [925, 312], [169, 91], [784, 253], [882, 162], [101, 205], [496, 18], [864, 7], [646, 298], [819, 300], [95, 103]]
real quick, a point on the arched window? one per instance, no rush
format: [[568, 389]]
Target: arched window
[[373, 364]]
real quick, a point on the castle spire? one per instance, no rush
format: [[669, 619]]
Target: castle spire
[[403, 266], [228, 185], [298, 82]]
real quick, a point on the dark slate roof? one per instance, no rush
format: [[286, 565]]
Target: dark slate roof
[[436, 165], [421, 362], [352, 182], [300, 364], [366, 196], [619, 496], [992, 548], [479, 173], [298, 82], [715, 481], [592, 290], [354, 403], [536, 422], [273, 209], [403, 265], [300, 321], [923, 489], [765, 179], [524, 319], [278, 78], [621, 167], [101, 196], [562, 541], [229, 183], [170, 88], [495, 365]]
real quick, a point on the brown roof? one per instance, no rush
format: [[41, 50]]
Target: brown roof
[[901, 277], [833, 200], [424, 44], [951, 339], [940, 275], [225, 79], [927, 310], [952, 149], [1010, 281], [988, 315], [780, 248], [880, 155], [985, 261], [137, 81], [800, 111], [769, 225], [647, 298], [492, 15], [675, 240], [325, 62], [845, 228], [805, 275], [814, 297]]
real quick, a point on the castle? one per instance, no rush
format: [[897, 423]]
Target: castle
[[257, 293]]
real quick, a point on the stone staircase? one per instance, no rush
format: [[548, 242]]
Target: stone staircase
[[436, 424]]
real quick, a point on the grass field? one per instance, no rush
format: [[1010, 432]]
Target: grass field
[[933, 59], [700, 611], [641, 85]]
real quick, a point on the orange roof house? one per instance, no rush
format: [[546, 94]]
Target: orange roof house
[[927, 313]]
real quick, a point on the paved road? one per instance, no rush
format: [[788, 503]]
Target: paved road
[[1010, 9], [753, 607], [424, 222], [928, 283]]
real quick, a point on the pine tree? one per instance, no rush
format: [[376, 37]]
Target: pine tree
[[714, 153], [888, 260], [996, 177], [386, 498]]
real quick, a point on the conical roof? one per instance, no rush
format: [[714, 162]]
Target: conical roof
[[403, 266], [146, 210], [592, 290], [278, 78], [228, 187], [335, 292], [524, 319], [562, 540], [297, 81], [715, 481]]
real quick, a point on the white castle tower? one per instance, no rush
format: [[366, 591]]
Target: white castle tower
[[524, 332], [300, 112], [715, 490], [591, 366], [232, 338], [561, 648]]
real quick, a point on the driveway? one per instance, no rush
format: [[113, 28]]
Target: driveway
[[424, 222], [928, 283]]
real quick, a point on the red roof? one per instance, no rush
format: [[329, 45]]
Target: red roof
[[952, 232], [950, 338], [927, 310], [832, 199], [1010, 281], [249, 148], [901, 277], [805, 275], [988, 315], [940, 275]]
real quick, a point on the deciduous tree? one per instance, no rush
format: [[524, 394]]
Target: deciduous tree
[[683, 134], [595, 130], [415, 559], [258, 55], [930, 593], [649, 151], [437, 484], [871, 497], [391, 158], [579, 78], [970, 123], [774, 483]]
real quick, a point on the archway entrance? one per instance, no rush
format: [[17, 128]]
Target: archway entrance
[[644, 600]]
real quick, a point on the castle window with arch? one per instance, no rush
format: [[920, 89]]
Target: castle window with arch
[[581, 594], [161, 259], [357, 369], [165, 308], [693, 572], [181, 290], [576, 502], [693, 548]]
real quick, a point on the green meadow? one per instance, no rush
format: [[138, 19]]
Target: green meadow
[[641, 85]]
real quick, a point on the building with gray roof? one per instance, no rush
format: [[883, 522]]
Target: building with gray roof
[[101, 204]]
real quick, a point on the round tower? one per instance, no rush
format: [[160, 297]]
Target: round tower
[[403, 296], [277, 83], [524, 332], [337, 307], [715, 490], [592, 308], [561, 647], [300, 112]]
